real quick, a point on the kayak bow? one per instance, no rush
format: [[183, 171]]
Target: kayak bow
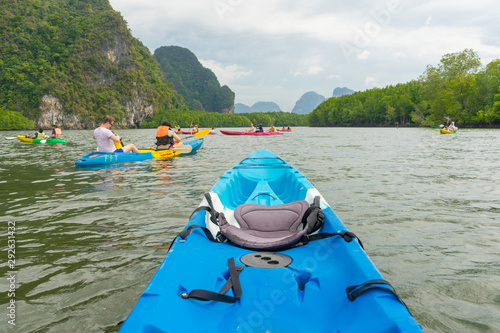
[[222, 274]]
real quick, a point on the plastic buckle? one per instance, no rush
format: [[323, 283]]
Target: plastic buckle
[[220, 238]]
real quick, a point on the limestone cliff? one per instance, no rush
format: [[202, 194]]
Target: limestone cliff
[[71, 63]]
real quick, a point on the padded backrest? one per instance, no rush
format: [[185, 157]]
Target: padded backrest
[[266, 227], [285, 217]]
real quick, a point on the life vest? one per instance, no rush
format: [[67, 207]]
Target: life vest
[[164, 136], [57, 132], [40, 135]]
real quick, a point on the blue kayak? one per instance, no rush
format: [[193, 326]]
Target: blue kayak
[[99, 158], [264, 252]]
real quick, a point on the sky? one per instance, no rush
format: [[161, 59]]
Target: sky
[[277, 50]]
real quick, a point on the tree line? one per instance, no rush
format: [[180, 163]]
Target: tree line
[[458, 90], [205, 119]]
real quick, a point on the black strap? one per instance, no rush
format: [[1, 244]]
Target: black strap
[[232, 282], [219, 238], [208, 209], [346, 235], [354, 292], [313, 217], [212, 211]]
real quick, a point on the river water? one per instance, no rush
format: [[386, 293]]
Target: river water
[[87, 242]]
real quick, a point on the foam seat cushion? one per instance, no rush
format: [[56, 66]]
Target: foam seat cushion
[[266, 227]]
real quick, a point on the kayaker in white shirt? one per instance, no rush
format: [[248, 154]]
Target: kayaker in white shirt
[[106, 139]]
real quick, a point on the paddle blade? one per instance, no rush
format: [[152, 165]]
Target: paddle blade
[[202, 133], [184, 149]]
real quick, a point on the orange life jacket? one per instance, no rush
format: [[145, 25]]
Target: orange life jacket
[[162, 131], [58, 133]]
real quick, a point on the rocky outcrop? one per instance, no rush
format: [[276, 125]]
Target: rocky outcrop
[[52, 112]]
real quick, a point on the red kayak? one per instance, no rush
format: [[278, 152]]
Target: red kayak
[[248, 133]]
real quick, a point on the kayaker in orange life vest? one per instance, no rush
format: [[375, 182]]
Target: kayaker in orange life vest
[[165, 136], [56, 132]]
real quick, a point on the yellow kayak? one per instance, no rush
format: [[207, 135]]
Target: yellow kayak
[[186, 149], [23, 138], [443, 131]]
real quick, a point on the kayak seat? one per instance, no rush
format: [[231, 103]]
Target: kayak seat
[[261, 227], [271, 227]]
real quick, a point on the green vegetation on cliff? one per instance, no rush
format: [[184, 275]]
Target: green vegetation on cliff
[[80, 52], [198, 85], [15, 120], [455, 90]]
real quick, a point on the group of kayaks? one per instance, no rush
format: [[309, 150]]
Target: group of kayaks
[[99, 158], [265, 252]]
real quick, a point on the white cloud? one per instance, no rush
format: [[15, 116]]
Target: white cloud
[[225, 74], [363, 55], [311, 70], [370, 82], [278, 50]]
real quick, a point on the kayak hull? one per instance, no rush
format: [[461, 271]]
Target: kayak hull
[[443, 131], [99, 158], [308, 294], [22, 138], [248, 133]]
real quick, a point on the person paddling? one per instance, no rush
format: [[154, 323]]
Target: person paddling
[[106, 139], [252, 128], [56, 132], [271, 129], [166, 138], [38, 135]]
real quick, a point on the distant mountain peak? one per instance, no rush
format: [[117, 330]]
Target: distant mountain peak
[[257, 107], [337, 92], [198, 85], [308, 102]]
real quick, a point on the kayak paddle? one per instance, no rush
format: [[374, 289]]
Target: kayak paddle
[[184, 149], [199, 134]]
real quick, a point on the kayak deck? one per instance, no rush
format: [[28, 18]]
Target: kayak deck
[[298, 289]]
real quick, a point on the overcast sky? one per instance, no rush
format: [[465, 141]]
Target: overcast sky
[[277, 50]]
